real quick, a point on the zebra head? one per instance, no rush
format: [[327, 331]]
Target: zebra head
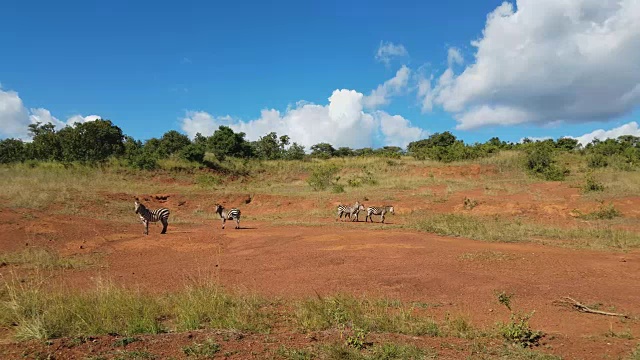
[[219, 209], [390, 208], [360, 207], [138, 206]]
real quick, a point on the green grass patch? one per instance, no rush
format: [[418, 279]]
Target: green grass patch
[[507, 230], [33, 312]]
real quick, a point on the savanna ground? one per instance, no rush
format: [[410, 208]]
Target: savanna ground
[[473, 251]]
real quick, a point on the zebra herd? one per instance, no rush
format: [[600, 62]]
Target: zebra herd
[[162, 214], [353, 211]]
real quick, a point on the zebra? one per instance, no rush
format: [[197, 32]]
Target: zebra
[[146, 216], [349, 210], [233, 214], [375, 210], [356, 209]]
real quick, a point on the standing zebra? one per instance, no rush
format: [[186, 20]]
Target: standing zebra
[[347, 210], [375, 210], [146, 215], [356, 210], [228, 215]]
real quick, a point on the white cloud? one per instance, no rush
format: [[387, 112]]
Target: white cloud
[[15, 118], [342, 122], [454, 57], [397, 131], [547, 61], [389, 50], [601, 134], [394, 86]]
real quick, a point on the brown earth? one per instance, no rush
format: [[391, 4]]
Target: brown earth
[[460, 275]]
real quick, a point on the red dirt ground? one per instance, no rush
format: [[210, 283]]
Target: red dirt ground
[[356, 258]]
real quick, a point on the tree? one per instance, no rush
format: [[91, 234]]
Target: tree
[[270, 147], [343, 152], [46, 142], [567, 144], [295, 152], [322, 150], [172, 142], [224, 142], [91, 141], [12, 150]]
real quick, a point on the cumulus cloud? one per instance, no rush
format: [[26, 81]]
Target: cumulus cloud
[[392, 87], [389, 50], [397, 131], [342, 122], [15, 118], [601, 134], [454, 57], [545, 61]]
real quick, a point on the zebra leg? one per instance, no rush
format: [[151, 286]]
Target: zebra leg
[[165, 223], [223, 221], [382, 218], [146, 227], [238, 223]]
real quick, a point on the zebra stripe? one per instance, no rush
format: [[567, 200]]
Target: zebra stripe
[[378, 210], [147, 216], [232, 214], [350, 211]]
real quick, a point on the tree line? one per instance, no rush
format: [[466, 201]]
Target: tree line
[[100, 140]]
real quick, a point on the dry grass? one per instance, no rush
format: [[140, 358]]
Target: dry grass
[[43, 258]]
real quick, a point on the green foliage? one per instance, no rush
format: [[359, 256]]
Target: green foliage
[[270, 147], [518, 331], [193, 152], [294, 152], [540, 161], [202, 350], [12, 150], [46, 144], [357, 340], [322, 150], [172, 142], [567, 144], [323, 176], [446, 148], [224, 142], [91, 141], [505, 299]]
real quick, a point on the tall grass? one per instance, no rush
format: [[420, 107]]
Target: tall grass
[[34, 312]]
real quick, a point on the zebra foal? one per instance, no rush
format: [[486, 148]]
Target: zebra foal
[[146, 216], [378, 210], [232, 214]]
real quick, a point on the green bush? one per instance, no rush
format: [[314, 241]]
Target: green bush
[[323, 176], [540, 161]]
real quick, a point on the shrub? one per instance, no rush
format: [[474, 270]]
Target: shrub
[[518, 331], [597, 161], [323, 176], [193, 152], [591, 184], [540, 162]]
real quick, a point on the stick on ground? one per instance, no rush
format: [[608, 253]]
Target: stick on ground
[[584, 308]]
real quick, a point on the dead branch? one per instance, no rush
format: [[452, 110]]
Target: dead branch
[[584, 308]]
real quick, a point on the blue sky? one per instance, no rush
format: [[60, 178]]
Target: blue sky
[[148, 66]]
